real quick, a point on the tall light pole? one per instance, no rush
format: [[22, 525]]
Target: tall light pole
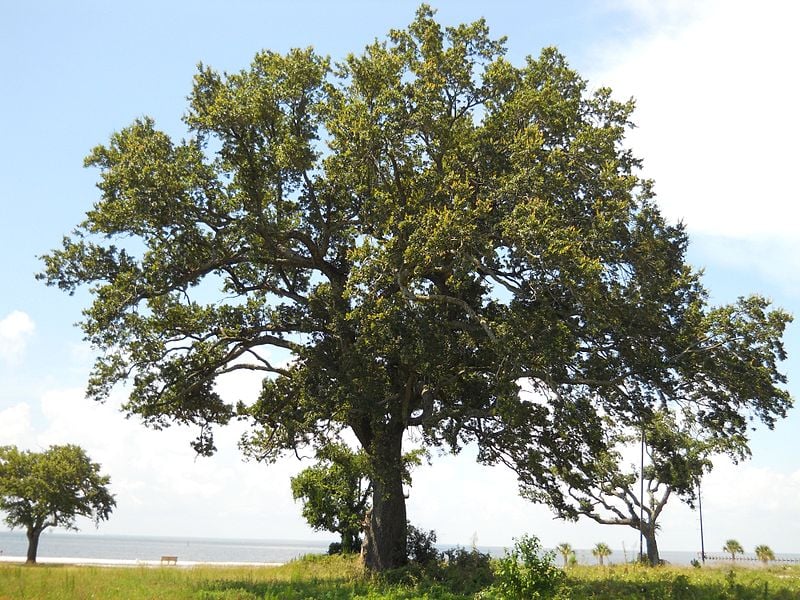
[[700, 508], [641, 500]]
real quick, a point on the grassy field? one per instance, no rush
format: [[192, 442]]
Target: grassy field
[[335, 578], [633, 582]]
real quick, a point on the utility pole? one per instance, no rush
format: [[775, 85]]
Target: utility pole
[[702, 540], [641, 501]]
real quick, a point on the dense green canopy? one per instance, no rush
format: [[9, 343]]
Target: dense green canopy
[[51, 489], [335, 493], [419, 227]]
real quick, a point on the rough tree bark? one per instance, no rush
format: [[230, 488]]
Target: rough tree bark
[[33, 535], [384, 544], [649, 534]]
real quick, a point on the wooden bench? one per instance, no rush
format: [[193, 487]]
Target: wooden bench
[[166, 560]]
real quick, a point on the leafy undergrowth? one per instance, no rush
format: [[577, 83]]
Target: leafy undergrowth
[[338, 577]]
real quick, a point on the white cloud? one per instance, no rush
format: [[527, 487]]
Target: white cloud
[[755, 505], [15, 329], [161, 487], [661, 15], [726, 492], [15, 423], [716, 114]]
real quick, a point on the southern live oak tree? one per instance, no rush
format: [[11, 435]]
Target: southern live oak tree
[[420, 227], [50, 489], [733, 360], [603, 489]]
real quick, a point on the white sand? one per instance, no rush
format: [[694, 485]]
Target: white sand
[[112, 562]]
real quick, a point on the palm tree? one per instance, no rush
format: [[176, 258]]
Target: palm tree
[[566, 551], [764, 554], [733, 548], [601, 551]]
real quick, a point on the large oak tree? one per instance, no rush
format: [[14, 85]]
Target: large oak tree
[[420, 227]]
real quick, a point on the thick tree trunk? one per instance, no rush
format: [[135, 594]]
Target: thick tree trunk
[[652, 546], [33, 544], [384, 545]]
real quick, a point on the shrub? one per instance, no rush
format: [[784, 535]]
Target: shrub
[[527, 572], [336, 548], [420, 546], [457, 571], [423, 559], [465, 571]]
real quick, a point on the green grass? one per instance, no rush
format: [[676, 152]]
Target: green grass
[[636, 582], [314, 577], [335, 578]]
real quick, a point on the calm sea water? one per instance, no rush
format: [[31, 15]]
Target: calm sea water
[[65, 545], [134, 548]]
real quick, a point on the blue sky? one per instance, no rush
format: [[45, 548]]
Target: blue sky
[[716, 87]]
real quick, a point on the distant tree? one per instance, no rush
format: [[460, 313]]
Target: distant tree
[[50, 489], [764, 553], [566, 551], [336, 491], [600, 551], [732, 366], [605, 490], [733, 548]]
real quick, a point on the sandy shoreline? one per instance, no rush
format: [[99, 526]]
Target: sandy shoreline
[[112, 562]]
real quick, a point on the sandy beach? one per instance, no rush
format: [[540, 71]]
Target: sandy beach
[[111, 562]]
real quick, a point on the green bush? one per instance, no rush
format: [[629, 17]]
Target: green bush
[[466, 571], [421, 546], [525, 573], [457, 571]]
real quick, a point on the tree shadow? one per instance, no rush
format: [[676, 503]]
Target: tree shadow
[[279, 590], [329, 589]]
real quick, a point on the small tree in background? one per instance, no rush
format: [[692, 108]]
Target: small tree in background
[[733, 367], [764, 554], [600, 551], [566, 551], [336, 492], [733, 548], [421, 545], [50, 489]]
